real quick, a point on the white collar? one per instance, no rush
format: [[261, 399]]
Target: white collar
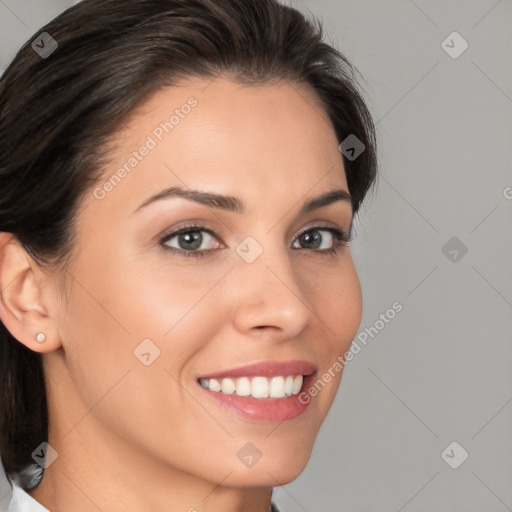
[[21, 501]]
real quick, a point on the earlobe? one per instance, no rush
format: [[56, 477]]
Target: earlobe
[[21, 310]]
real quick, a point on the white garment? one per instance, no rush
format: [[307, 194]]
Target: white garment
[[21, 501]]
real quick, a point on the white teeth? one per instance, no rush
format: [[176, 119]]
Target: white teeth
[[214, 385], [288, 384], [228, 386], [297, 384], [277, 387], [243, 386], [257, 387]]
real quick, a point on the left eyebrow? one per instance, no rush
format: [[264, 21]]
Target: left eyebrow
[[234, 204], [325, 200]]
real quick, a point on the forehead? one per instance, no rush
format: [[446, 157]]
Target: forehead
[[226, 137]]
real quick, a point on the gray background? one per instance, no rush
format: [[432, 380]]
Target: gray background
[[440, 371]]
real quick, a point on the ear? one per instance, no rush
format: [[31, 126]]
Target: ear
[[22, 310]]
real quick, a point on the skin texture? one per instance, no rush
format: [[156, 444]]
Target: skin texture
[[133, 437]]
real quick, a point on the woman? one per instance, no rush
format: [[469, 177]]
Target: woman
[[179, 181]]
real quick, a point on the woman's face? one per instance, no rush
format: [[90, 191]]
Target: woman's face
[[149, 313]]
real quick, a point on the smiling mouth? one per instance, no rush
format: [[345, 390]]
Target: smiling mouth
[[260, 387]]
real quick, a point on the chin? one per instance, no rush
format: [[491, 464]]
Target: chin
[[272, 472]]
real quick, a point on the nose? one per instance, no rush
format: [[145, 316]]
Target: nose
[[268, 296]]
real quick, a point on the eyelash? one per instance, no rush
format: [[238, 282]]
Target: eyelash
[[340, 239]]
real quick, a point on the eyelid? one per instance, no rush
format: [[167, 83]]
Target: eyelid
[[193, 225], [321, 224], [202, 226]]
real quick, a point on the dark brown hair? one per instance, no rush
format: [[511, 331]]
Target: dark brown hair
[[57, 112]]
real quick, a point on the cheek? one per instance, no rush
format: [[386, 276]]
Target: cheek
[[337, 299], [109, 317], [348, 312], [127, 307], [336, 296], [176, 305]]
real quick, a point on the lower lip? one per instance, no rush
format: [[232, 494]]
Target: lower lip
[[264, 409]]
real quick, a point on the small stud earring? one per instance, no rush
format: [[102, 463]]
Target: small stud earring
[[40, 337]]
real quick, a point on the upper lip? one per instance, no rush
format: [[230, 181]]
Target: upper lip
[[266, 369]]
